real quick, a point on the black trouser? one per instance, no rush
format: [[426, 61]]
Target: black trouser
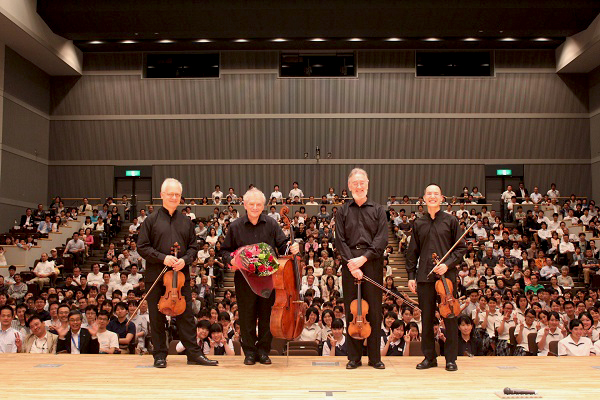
[[77, 258], [252, 307], [185, 323], [373, 295], [427, 303]]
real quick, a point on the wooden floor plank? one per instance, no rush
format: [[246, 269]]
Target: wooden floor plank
[[127, 376]]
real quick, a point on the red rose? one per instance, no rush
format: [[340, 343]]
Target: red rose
[[271, 259], [248, 254]]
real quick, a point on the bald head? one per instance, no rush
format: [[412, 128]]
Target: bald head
[[433, 188]]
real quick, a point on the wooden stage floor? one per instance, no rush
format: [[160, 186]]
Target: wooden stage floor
[[132, 377]]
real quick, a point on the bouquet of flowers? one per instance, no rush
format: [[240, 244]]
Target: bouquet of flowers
[[258, 259]]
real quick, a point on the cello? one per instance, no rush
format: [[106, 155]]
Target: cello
[[287, 313]]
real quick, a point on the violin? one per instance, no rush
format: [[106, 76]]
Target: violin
[[173, 303], [287, 313], [359, 328], [449, 306]]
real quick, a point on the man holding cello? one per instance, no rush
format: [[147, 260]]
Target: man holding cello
[[254, 309], [158, 234], [361, 237], [435, 232]]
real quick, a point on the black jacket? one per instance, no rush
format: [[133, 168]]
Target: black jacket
[[87, 345]]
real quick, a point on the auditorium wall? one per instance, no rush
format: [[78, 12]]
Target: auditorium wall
[[594, 85], [249, 126], [24, 136]]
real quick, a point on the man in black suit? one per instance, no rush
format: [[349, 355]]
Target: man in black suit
[[522, 192], [75, 339], [27, 219]]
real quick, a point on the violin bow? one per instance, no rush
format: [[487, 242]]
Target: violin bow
[[452, 248], [388, 291]]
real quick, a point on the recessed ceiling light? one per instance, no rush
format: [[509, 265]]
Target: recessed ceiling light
[[541, 39], [393, 39], [508, 39], [241, 40], [355, 39], [166, 41], [96, 42], [432, 39], [318, 40], [128, 41], [471, 39], [203, 41], [279, 40]]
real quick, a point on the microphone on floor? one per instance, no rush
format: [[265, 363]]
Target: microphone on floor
[[519, 391]]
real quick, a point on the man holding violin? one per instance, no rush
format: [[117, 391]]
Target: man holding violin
[[361, 237], [435, 232], [158, 234]]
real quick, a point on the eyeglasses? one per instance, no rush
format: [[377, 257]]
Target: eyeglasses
[[356, 184], [176, 195]]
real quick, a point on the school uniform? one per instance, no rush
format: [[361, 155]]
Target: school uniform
[[396, 348], [568, 347], [341, 348]]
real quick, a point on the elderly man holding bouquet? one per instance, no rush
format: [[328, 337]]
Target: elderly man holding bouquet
[[246, 250]]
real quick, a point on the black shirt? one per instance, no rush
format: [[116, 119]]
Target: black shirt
[[157, 235], [434, 236], [364, 226], [242, 233], [474, 346]]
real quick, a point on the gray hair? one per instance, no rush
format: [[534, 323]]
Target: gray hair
[[170, 181], [356, 171], [254, 192]]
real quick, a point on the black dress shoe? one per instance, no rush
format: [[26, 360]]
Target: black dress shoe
[[250, 359], [451, 366], [427, 364], [202, 360], [264, 359], [353, 364], [160, 363], [377, 365]]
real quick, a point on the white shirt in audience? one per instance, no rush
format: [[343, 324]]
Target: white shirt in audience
[[507, 195], [44, 267], [553, 193], [95, 279], [536, 197], [568, 347], [108, 340], [7, 340], [557, 335]]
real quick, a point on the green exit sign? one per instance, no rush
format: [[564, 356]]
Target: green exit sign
[[132, 172], [504, 172]]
